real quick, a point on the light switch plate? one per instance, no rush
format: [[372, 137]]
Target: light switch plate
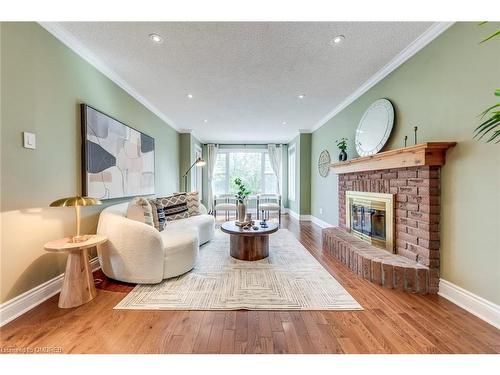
[[29, 140]]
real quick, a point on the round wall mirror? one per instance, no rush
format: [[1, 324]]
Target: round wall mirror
[[374, 127]]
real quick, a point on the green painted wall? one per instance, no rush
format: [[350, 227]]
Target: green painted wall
[[42, 84], [284, 177], [305, 173], [187, 145], [294, 202], [184, 159], [441, 90], [302, 202]]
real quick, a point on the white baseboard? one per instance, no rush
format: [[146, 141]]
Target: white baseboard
[[478, 306], [321, 223], [314, 219], [296, 216], [21, 304]]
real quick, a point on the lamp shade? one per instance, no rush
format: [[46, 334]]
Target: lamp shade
[[200, 162], [75, 202]]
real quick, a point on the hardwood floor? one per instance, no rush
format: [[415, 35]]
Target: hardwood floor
[[392, 322]]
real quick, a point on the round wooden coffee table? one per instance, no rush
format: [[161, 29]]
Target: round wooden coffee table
[[249, 244]]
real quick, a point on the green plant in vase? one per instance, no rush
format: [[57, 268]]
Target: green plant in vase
[[241, 195], [342, 145]]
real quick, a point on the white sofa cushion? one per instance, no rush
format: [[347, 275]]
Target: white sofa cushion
[[181, 250], [204, 224]]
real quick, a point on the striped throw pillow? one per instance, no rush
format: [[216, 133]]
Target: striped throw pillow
[[158, 214], [175, 207]]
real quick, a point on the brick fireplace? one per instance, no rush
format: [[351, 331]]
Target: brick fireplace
[[415, 265], [417, 210]]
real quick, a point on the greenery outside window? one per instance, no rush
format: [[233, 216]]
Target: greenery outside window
[[251, 165]]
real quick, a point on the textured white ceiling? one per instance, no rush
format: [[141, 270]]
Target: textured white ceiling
[[245, 77]]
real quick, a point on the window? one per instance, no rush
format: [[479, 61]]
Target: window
[[252, 166], [270, 181], [220, 181], [292, 169]]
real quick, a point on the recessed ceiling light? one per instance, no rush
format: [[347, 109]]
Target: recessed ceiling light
[[301, 96], [156, 38], [284, 122], [190, 96], [337, 40], [205, 121]]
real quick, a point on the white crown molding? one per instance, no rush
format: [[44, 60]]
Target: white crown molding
[[70, 41], [21, 304], [478, 306], [424, 39]]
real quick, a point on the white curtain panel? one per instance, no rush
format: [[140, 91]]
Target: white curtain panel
[[211, 159], [275, 159]]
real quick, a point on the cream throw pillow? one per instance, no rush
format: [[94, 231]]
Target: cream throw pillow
[[140, 210]]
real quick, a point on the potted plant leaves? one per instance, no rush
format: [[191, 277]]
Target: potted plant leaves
[[342, 145], [241, 197]]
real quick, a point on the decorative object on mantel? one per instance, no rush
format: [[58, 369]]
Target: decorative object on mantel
[[342, 145], [415, 129], [241, 197], [324, 163], [406, 138], [431, 153], [77, 202], [375, 127]]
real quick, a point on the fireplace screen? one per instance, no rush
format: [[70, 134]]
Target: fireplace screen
[[369, 216], [368, 221]]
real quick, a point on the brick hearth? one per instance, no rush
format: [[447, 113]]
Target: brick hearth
[[417, 212], [374, 264]]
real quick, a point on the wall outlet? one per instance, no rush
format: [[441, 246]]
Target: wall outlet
[[29, 140], [321, 211]]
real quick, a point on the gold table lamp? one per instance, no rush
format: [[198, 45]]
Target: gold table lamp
[[77, 202]]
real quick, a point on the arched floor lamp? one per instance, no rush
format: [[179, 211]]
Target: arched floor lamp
[[199, 162]]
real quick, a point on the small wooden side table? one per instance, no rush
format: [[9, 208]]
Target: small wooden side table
[[78, 285]]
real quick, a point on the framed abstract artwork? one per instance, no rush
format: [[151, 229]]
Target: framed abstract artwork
[[118, 161]]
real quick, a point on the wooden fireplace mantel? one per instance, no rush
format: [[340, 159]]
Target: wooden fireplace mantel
[[430, 153]]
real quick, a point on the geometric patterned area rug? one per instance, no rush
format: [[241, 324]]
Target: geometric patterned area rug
[[289, 279]]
